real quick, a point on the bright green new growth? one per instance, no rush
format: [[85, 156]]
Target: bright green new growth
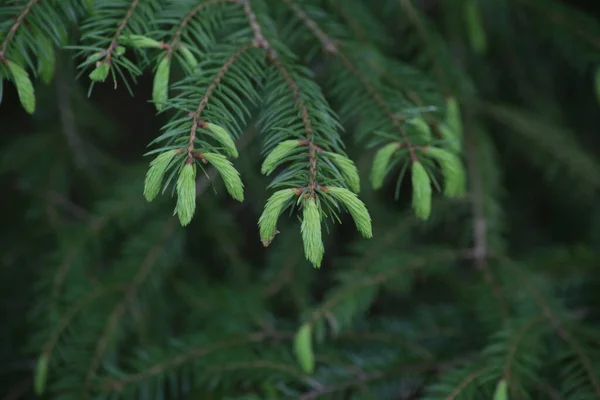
[[452, 131], [140, 41], [303, 348], [268, 220], [477, 36], [380, 164], [348, 170], [311, 232], [421, 199], [356, 207], [186, 194], [160, 87], [100, 73], [41, 374], [501, 392], [24, 87], [421, 127], [188, 56], [452, 170], [47, 61], [277, 154], [155, 174], [224, 138], [451, 139], [230, 175]]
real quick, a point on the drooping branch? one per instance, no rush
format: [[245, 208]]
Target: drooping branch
[[262, 42], [196, 121], [113, 43], [178, 360], [15, 27], [114, 318], [332, 48], [187, 19]]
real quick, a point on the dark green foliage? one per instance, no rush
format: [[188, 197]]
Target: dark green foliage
[[437, 159]]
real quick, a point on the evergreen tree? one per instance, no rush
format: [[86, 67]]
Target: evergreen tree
[[179, 175]]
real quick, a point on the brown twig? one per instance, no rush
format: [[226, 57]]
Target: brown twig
[[557, 324], [186, 20], [383, 277], [112, 384], [333, 49], [15, 27], [196, 121], [465, 382], [514, 347], [272, 55], [146, 267], [119, 32]]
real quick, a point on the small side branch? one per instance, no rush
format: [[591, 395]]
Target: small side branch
[[145, 270], [196, 121], [186, 20], [262, 42], [113, 44], [331, 48], [15, 27]]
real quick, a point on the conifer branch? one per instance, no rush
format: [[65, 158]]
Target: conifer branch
[[196, 122], [514, 347], [13, 29], [380, 278], [333, 49], [72, 312], [113, 384], [94, 227], [558, 326], [464, 383], [113, 43], [295, 89], [117, 313], [560, 19], [175, 41], [408, 6]]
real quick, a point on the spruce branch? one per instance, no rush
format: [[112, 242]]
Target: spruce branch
[[468, 380], [115, 39], [511, 355], [557, 324], [554, 14], [377, 279], [113, 320], [117, 384], [15, 26], [176, 39], [332, 48], [196, 121]]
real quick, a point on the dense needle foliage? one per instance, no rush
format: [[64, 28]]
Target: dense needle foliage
[[300, 199]]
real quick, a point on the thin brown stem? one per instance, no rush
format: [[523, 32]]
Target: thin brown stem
[[15, 27], [186, 20], [514, 347], [382, 277], [196, 121], [146, 267], [558, 326], [479, 217], [423, 34], [465, 382], [118, 384], [333, 49], [262, 42], [113, 43]]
